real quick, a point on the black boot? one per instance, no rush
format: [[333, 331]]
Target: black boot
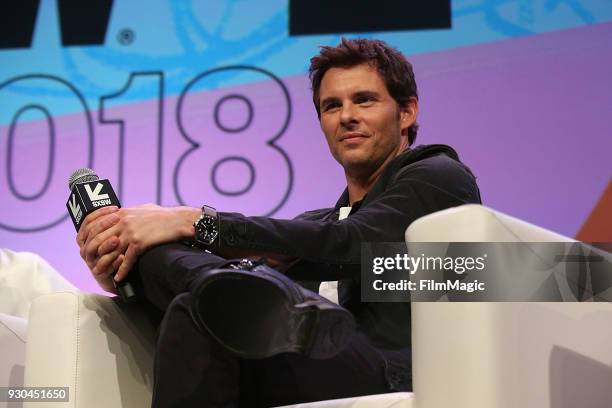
[[257, 312]]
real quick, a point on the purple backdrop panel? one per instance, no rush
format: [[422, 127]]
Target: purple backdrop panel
[[259, 153], [531, 116]]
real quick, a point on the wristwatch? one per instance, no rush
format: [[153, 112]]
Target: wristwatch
[[206, 228]]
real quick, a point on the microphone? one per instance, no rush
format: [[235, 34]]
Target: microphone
[[87, 194]]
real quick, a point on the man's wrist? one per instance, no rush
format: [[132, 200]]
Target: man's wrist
[[189, 215]]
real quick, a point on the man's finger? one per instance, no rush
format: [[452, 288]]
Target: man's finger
[[101, 225], [109, 245], [85, 226], [92, 245], [131, 255], [81, 237], [104, 265], [98, 231], [118, 262]]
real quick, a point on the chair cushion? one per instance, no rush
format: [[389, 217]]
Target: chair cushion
[[394, 399], [23, 277]]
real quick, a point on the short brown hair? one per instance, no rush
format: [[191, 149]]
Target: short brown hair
[[392, 66]]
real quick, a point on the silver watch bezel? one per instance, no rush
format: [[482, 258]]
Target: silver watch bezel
[[206, 227]]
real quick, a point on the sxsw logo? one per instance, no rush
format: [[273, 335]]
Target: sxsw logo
[[82, 22], [87, 197], [75, 209], [97, 199]]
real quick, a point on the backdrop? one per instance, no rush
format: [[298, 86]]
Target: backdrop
[[191, 102]]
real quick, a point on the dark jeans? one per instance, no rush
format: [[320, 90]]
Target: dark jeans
[[193, 370]]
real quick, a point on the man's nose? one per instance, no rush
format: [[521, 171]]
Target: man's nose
[[349, 114]]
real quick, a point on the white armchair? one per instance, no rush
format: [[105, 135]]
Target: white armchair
[[23, 277], [99, 347], [506, 355], [472, 355]]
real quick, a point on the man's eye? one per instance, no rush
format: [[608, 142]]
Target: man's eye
[[330, 106], [365, 100]]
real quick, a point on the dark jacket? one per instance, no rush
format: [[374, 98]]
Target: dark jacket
[[418, 182]]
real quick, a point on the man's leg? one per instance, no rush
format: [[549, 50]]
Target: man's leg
[[359, 369], [168, 270], [191, 369]]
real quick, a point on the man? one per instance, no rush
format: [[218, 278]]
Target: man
[[366, 99]]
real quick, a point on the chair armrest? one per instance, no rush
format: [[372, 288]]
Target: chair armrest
[[12, 352], [506, 355], [99, 347]]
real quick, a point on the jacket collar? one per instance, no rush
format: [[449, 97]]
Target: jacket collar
[[405, 158]]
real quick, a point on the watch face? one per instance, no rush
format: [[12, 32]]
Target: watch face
[[206, 230]]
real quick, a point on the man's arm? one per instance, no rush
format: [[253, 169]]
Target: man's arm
[[414, 191], [111, 239]]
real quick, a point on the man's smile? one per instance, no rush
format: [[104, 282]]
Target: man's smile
[[353, 137]]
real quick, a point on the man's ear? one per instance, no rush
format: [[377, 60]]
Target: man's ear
[[408, 113]]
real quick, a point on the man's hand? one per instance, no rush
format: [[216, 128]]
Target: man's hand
[[111, 239], [103, 277]]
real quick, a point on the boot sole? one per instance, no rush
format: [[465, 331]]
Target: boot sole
[[252, 317]]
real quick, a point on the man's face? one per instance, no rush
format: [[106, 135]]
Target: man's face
[[364, 126]]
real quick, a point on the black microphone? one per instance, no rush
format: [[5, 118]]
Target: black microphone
[[87, 194]]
